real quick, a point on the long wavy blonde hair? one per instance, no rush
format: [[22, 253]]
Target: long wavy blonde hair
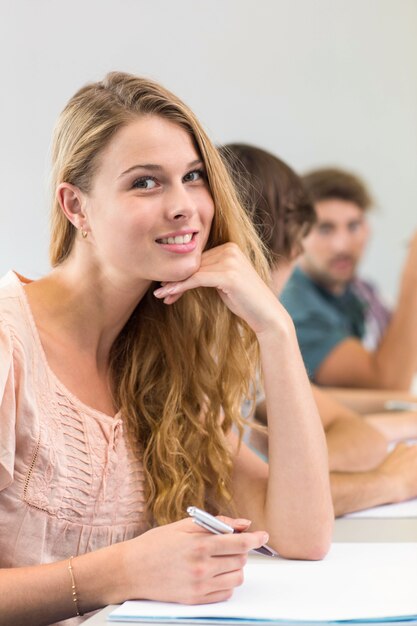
[[179, 372]]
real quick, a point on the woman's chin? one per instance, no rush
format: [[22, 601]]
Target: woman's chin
[[174, 275]]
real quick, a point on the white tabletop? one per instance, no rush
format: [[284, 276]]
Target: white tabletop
[[346, 530]]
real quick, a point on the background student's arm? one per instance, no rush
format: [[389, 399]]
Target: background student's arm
[[393, 480], [389, 480], [394, 363], [352, 443], [393, 425], [362, 474]]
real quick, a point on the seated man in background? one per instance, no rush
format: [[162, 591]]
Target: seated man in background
[[347, 336], [362, 473]]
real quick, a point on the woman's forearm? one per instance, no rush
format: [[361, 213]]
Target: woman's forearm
[[298, 500], [43, 594]]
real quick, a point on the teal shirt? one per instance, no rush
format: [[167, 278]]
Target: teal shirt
[[322, 320]]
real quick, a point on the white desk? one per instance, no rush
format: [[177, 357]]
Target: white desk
[[375, 530], [346, 530]]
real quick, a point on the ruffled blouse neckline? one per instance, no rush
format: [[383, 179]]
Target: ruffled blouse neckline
[[20, 281]]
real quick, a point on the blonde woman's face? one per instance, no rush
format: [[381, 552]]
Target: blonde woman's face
[[150, 209]]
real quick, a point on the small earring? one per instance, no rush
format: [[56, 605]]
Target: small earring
[[84, 233]]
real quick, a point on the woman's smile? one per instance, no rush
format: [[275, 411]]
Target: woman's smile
[[179, 242]]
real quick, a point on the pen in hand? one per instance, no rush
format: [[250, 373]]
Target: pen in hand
[[216, 526]]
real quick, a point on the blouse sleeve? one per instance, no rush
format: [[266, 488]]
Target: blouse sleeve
[[7, 408]]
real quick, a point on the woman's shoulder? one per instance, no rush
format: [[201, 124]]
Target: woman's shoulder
[[10, 287], [14, 319]]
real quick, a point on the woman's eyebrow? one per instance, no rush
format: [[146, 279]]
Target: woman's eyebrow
[[155, 168], [144, 166]]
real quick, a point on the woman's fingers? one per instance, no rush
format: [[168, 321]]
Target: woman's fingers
[[224, 564], [202, 278], [238, 543], [218, 268], [202, 567], [226, 581], [215, 589], [226, 269], [239, 524]]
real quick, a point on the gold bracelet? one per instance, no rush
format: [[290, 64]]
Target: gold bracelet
[[73, 588]]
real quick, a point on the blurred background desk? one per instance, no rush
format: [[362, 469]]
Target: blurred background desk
[[375, 530]]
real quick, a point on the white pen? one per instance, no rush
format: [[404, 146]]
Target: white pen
[[216, 526]]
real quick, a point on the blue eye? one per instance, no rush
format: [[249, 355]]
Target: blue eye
[[145, 182], [194, 176]]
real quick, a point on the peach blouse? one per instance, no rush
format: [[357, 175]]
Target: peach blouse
[[69, 483]]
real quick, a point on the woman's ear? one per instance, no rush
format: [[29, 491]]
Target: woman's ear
[[71, 200]]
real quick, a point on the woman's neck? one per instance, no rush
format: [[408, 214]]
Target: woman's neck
[[88, 306]]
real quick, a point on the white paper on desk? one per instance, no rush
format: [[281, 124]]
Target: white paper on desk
[[389, 511], [356, 581], [393, 444]]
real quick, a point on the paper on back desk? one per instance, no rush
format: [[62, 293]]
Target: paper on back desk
[[356, 581], [390, 511]]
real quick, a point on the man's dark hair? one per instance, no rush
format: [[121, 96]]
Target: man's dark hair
[[328, 183]]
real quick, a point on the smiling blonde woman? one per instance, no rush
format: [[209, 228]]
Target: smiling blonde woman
[[123, 372]]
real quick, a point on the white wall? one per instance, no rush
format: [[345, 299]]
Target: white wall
[[316, 81]]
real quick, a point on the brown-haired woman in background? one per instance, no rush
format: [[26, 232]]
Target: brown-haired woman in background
[[362, 473]]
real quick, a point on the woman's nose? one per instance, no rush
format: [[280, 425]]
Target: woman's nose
[[179, 203]]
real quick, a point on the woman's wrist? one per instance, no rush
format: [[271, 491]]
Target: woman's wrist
[[278, 328], [100, 577]]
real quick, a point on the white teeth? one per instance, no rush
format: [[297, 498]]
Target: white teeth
[[178, 239]]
